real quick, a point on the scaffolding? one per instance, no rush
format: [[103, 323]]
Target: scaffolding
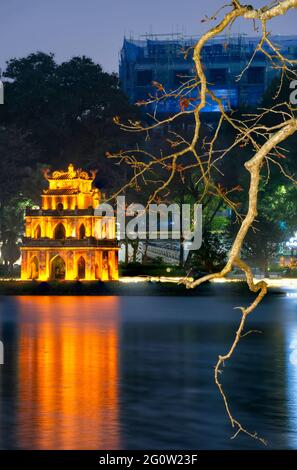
[[161, 57]]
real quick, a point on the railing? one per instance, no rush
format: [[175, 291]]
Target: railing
[[57, 213], [69, 242]]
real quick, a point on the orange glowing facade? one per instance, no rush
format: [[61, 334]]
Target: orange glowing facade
[[66, 239]]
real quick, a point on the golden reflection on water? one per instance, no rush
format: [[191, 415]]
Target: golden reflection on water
[[68, 373]]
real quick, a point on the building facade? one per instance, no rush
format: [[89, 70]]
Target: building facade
[[65, 238], [161, 59]]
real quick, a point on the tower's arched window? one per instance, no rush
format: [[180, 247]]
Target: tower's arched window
[[59, 232], [82, 232], [37, 233], [34, 268], [58, 268], [81, 268], [60, 206]]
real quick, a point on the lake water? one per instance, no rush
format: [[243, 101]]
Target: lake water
[[137, 372]]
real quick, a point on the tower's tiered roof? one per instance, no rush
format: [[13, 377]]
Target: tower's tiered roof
[[70, 174]]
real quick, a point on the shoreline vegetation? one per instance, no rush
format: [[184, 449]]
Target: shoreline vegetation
[[127, 288]]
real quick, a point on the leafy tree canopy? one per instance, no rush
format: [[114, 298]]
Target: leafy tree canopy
[[66, 110]]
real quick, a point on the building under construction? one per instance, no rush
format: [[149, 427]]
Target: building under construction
[[161, 58]]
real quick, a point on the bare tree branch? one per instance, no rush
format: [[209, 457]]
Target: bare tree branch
[[262, 139]]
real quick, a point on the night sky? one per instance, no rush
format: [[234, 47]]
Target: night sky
[[96, 27]]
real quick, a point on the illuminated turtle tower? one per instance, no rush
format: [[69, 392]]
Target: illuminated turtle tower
[[65, 239]]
